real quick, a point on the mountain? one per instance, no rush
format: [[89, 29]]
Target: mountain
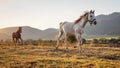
[[29, 33], [49, 33], [107, 26], [4, 36]]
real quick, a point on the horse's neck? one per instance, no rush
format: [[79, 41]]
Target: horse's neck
[[83, 23], [18, 31]]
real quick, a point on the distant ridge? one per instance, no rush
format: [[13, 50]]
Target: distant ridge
[[29, 33], [108, 26]]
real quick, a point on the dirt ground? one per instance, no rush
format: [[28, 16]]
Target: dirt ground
[[29, 56]]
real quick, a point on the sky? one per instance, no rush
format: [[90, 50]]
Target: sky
[[43, 14]]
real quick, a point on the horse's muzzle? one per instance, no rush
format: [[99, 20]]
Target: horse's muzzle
[[95, 22]]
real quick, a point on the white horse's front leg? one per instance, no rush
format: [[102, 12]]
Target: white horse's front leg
[[79, 39], [80, 44]]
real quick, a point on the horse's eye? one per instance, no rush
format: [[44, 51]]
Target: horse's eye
[[90, 16]]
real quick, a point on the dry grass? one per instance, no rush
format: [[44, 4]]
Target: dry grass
[[47, 57]]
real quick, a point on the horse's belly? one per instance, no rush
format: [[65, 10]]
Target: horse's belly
[[68, 28], [71, 32]]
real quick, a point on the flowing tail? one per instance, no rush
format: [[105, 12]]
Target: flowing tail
[[60, 30], [60, 33]]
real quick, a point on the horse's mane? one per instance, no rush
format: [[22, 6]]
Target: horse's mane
[[76, 21], [19, 30]]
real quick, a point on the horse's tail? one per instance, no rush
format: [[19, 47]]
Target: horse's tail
[[13, 35], [60, 30]]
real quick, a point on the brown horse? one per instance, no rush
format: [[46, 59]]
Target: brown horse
[[17, 35]]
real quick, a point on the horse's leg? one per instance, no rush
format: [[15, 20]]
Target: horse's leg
[[58, 38], [17, 41], [79, 39], [13, 40], [21, 40], [80, 43], [57, 43], [66, 41]]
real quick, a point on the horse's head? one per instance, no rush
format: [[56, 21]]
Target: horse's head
[[20, 29], [92, 18]]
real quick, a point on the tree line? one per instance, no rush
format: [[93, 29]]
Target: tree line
[[70, 39]]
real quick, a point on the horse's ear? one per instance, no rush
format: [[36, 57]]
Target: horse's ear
[[93, 11], [90, 11]]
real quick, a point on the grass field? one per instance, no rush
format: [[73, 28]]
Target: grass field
[[30, 56]]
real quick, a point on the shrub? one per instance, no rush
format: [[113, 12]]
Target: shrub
[[72, 39], [113, 40], [94, 41], [102, 40]]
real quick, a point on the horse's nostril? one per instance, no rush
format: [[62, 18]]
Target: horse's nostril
[[95, 22]]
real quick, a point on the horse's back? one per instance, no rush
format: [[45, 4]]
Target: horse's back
[[13, 34], [16, 35], [68, 27]]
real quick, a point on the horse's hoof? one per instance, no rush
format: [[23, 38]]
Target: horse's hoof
[[75, 46], [81, 51], [56, 48], [67, 48]]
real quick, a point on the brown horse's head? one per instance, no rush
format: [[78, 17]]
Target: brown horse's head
[[19, 30]]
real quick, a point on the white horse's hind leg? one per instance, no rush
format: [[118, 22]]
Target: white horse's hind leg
[[60, 34], [66, 42], [58, 39]]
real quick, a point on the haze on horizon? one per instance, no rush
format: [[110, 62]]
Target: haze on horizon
[[43, 14]]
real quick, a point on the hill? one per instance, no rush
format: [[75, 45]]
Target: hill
[[29, 33], [107, 26]]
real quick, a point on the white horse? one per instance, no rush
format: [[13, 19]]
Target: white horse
[[76, 28]]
